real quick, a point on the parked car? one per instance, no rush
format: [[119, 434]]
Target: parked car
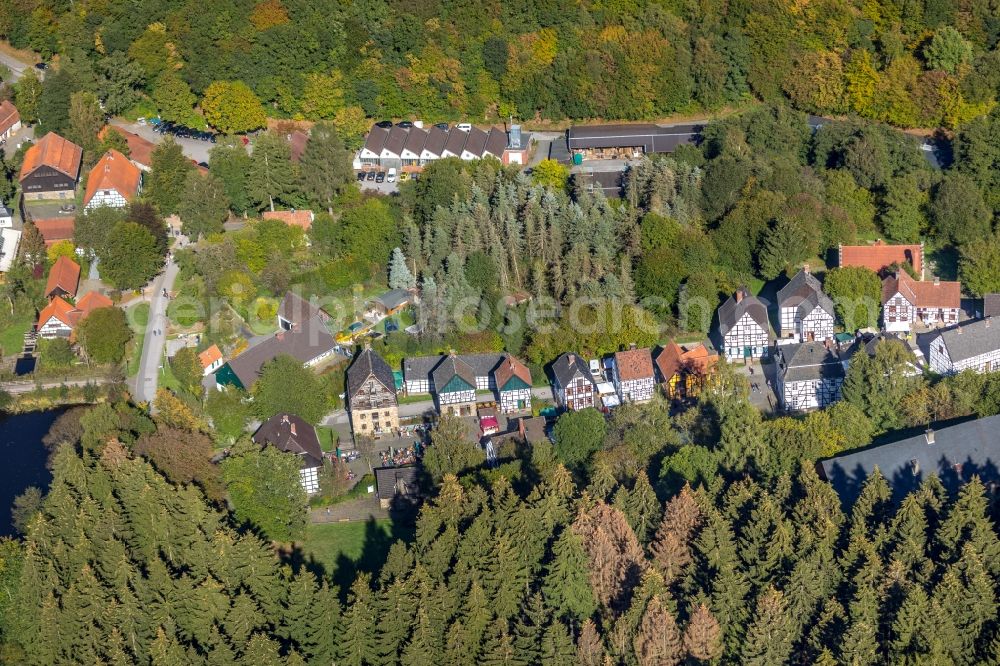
[[361, 175], [404, 176], [443, 126], [41, 66], [384, 124], [371, 176], [391, 176], [465, 127], [405, 124], [380, 177]]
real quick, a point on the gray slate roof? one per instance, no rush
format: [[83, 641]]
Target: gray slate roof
[[297, 310], [652, 138], [991, 305], [291, 434], [421, 367], [436, 139], [453, 365], [365, 365], [376, 139], [958, 452], [393, 298], [392, 481], [396, 140], [804, 292], [304, 343], [416, 140], [732, 311], [808, 361], [568, 366], [496, 142], [970, 338]]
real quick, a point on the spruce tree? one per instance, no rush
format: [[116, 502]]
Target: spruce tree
[[557, 646], [357, 645], [589, 649], [770, 638], [400, 276], [702, 637], [566, 586], [671, 549], [658, 642]]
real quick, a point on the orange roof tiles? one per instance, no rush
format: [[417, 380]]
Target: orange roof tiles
[[65, 276], [295, 218], [61, 310], [927, 294], [510, 367], [8, 116], [634, 364], [140, 150], [674, 358], [113, 172], [880, 256], [210, 356], [55, 229], [53, 151], [92, 300]]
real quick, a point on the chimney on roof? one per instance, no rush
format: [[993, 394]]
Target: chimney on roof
[[937, 281], [284, 418], [805, 268], [739, 294], [959, 329], [293, 429], [987, 325], [929, 436], [633, 346]]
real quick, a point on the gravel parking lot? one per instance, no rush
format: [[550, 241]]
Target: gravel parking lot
[[385, 187]]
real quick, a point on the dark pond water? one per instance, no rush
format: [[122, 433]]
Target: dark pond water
[[23, 458]]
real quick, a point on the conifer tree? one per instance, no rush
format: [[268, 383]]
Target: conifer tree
[[658, 642], [565, 586], [671, 548], [557, 646], [702, 637], [400, 276], [357, 644], [770, 638], [589, 649]]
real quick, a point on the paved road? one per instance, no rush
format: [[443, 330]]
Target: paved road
[[28, 387], [17, 67], [193, 148], [153, 342]]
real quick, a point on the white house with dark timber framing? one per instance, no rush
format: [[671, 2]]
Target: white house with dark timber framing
[[810, 375], [573, 385], [743, 326], [513, 385], [806, 314], [972, 345], [455, 387], [633, 375], [906, 302]]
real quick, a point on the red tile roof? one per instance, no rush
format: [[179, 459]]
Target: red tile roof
[[210, 356], [140, 150], [92, 300], [295, 218], [880, 256], [61, 310], [674, 358], [53, 151], [634, 364], [65, 275], [113, 172], [55, 229], [8, 116], [510, 367], [923, 294]]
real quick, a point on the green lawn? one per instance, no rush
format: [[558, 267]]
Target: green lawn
[[343, 549], [12, 335], [326, 437]]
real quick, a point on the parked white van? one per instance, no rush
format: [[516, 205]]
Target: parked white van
[[465, 127], [391, 176]]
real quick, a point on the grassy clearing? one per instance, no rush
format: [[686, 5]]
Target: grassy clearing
[[344, 549], [12, 335], [327, 436]]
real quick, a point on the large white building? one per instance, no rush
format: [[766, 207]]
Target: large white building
[[906, 302], [806, 313], [972, 345], [743, 326], [410, 148], [810, 375]]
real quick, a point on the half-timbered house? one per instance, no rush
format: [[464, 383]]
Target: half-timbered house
[[574, 386], [294, 435], [455, 387], [906, 302], [513, 381], [805, 313], [371, 396], [810, 375], [633, 375], [972, 345], [743, 326], [114, 182], [683, 370]]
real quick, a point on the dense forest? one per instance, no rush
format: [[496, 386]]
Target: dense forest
[[649, 539], [924, 63]]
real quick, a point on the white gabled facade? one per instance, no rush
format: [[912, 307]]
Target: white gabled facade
[[746, 335], [816, 326], [111, 198], [635, 390], [897, 314], [578, 394], [309, 478], [55, 328], [515, 400], [809, 394], [979, 336]]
